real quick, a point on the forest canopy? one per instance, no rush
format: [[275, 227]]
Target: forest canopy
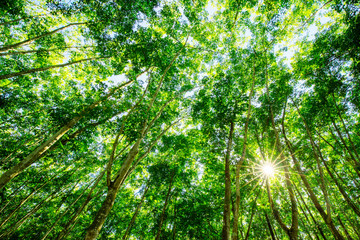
[[179, 119]]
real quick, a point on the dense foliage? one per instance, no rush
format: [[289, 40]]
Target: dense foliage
[[180, 119]]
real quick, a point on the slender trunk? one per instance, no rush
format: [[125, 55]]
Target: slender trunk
[[37, 50], [18, 224], [41, 69], [355, 228], [343, 141], [252, 215], [312, 195], [63, 214], [227, 199], [235, 231], [66, 229], [174, 224], [34, 156], [95, 227], [116, 141], [158, 234], [306, 217], [294, 228], [30, 40], [341, 189], [113, 187], [276, 214], [292, 232], [311, 215], [346, 130], [344, 228], [21, 187], [22, 202], [128, 229], [321, 173], [270, 227]]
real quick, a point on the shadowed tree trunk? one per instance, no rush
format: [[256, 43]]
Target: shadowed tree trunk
[[162, 218], [312, 195], [235, 230], [227, 199], [128, 229]]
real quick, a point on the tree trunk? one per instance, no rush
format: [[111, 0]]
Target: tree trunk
[[292, 232], [345, 128], [158, 234], [18, 224], [252, 215], [41, 69], [270, 227], [128, 229], [312, 195], [227, 198], [34, 156], [345, 230], [19, 44], [341, 189], [235, 230], [66, 229], [311, 215], [37, 50], [323, 186], [63, 214], [100, 217]]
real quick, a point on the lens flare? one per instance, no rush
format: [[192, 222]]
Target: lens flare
[[268, 170]]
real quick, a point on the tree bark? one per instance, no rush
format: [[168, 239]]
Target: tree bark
[[63, 214], [128, 229], [89, 197], [345, 230], [317, 158], [252, 215], [292, 232], [312, 195], [235, 230], [270, 227], [227, 199], [158, 234]]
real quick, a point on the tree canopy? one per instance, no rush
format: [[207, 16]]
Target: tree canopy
[[159, 119]]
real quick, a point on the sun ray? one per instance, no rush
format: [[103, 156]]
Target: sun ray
[[258, 177]]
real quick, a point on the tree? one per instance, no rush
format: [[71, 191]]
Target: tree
[[179, 119]]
